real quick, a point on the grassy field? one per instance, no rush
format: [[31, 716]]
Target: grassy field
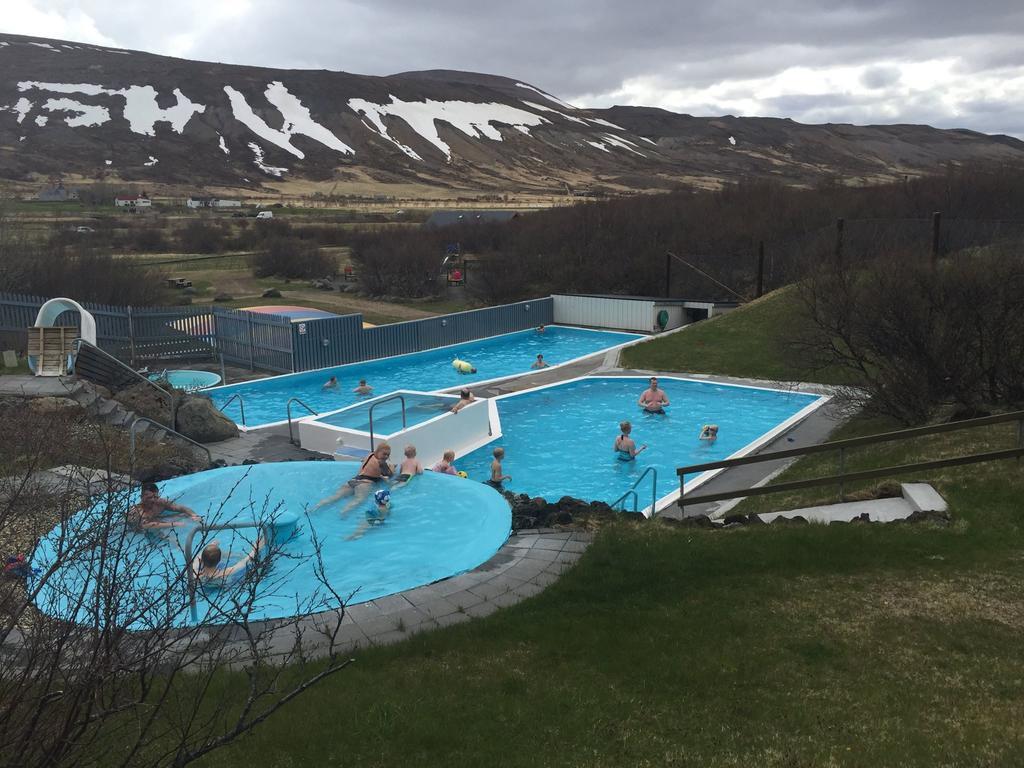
[[849, 645], [750, 341]]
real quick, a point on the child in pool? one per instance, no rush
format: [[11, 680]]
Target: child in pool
[[445, 466], [375, 515], [497, 478], [709, 433], [208, 565], [410, 467]]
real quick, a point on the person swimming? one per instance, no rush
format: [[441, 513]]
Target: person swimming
[[375, 515], [708, 433], [410, 467], [208, 566], [624, 447], [374, 468]]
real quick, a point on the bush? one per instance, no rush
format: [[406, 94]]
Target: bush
[[292, 257], [201, 237]]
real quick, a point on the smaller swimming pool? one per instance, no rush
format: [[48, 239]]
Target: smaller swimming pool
[[187, 380], [439, 526]]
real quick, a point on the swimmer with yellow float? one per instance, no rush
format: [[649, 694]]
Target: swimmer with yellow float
[[462, 366]]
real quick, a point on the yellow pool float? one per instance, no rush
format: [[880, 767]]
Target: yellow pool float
[[462, 366]]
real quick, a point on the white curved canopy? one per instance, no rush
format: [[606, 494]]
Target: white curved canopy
[[51, 310]]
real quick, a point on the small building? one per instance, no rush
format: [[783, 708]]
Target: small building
[[199, 202], [440, 219], [218, 203], [133, 201]]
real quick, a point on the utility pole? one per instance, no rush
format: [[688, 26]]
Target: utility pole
[[936, 236]]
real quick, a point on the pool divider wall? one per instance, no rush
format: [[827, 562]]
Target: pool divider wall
[[474, 426]]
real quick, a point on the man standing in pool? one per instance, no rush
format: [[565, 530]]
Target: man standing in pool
[[653, 400], [331, 383], [374, 468], [363, 388]]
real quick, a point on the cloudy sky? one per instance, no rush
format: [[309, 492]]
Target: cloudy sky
[[948, 64]]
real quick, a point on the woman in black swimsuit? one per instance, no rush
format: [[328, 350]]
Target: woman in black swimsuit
[[374, 468]]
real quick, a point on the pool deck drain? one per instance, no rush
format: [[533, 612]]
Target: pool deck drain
[[527, 563]]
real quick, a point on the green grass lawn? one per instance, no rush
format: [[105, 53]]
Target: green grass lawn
[[750, 341]]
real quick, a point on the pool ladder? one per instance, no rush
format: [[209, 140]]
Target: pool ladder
[[241, 405], [635, 496], [291, 438], [374, 405]]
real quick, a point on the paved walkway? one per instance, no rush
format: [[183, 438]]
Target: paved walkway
[[524, 566]]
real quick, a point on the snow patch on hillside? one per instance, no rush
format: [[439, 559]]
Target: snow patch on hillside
[[547, 96], [626, 144], [41, 120], [88, 115], [471, 118], [297, 121], [223, 145], [732, 140], [140, 105], [23, 106], [542, 108], [152, 161], [649, 141], [599, 145], [47, 46], [599, 121], [257, 150]]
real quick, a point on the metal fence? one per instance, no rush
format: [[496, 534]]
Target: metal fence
[[339, 340], [138, 334]]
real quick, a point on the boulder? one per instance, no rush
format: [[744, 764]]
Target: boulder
[[199, 419], [271, 293], [697, 521], [146, 400]]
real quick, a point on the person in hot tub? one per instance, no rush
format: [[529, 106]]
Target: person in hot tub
[[210, 568], [375, 515], [374, 469], [151, 512]]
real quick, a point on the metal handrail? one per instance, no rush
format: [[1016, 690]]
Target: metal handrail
[[131, 442], [76, 346], [374, 405], [636, 498], [241, 405], [842, 477], [291, 439], [190, 556]]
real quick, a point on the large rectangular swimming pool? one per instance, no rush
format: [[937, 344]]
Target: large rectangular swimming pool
[[558, 440], [494, 358]]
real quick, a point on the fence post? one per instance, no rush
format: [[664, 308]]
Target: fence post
[[1020, 437], [936, 236], [131, 335], [248, 318], [682, 485], [842, 472]]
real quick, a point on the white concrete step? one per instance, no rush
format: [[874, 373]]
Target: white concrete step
[[923, 498], [879, 510]]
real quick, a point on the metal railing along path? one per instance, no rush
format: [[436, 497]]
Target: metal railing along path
[[78, 344], [842, 477], [288, 408], [131, 442], [636, 497], [374, 405]]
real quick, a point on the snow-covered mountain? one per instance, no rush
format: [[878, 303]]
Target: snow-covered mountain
[[82, 110]]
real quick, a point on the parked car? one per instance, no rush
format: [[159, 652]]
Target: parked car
[[265, 215], [84, 229]]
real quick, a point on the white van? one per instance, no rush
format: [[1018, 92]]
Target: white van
[[265, 215]]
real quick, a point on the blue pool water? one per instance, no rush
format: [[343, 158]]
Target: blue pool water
[[496, 357], [387, 415], [188, 380], [439, 526], [558, 440]]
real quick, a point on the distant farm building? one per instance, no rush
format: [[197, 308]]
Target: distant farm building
[[57, 194], [440, 219], [212, 202], [133, 201]]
